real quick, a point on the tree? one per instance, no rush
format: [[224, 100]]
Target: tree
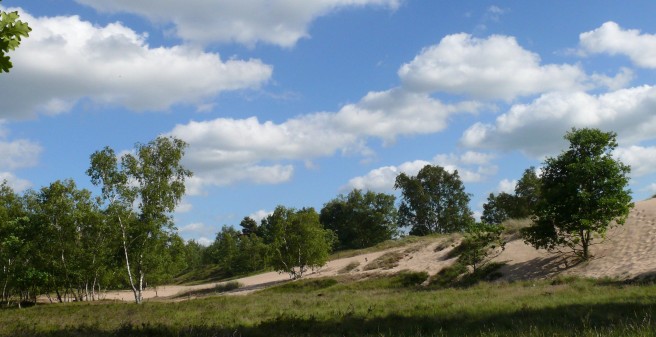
[[71, 237], [298, 242], [248, 225], [434, 201], [481, 243], [360, 219], [520, 205], [498, 208], [527, 194], [224, 250], [141, 192], [12, 31], [583, 191]]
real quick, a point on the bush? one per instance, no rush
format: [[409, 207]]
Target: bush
[[406, 279]]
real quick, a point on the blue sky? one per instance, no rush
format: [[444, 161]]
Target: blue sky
[[293, 102]]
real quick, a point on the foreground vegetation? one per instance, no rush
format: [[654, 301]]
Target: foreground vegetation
[[385, 306]]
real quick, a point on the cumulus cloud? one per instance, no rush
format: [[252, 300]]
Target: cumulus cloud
[[641, 159], [113, 65], [493, 68], [612, 39], [507, 186], [224, 151], [198, 230], [471, 166], [382, 179], [16, 154], [279, 22], [259, 215], [537, 128], [17, 184]]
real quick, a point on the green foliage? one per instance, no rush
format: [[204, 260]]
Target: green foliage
[[434, 201], [408, 279], [583, 192], [298, 241], [448, 276], [481, 243], [12, 30], [360, 219], [527, 192], [305, 286], [249, 226], [498, 208], [152, 179], [520, 205], [236, 253], [227, 286]]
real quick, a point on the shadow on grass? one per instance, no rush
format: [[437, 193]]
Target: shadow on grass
[[610, 319]]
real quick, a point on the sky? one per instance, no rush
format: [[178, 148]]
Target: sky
[[293, 102]]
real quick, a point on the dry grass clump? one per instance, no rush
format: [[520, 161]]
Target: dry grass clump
[[388, 260], [514, 226], [349, 267], [448, 242]]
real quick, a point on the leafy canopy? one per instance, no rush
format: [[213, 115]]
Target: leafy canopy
[[299, 242], [12, 30], [583, 191], [434, 201], [360, 219]]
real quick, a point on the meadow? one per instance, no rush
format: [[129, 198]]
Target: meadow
[[375, 306]]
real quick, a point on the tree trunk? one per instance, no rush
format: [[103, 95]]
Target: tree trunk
[[137, 295]]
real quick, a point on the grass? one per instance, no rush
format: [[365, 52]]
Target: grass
[[396, 243], [388, 260], [512, 228], [219, 288], [377, 306], [349, 267]]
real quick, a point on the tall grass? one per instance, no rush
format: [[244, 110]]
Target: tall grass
[[378, 306]]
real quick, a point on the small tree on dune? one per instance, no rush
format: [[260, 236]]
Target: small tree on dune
[[583, 191]]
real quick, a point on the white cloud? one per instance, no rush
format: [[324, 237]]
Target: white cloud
[[612, 39], [651, 188], [382, 179], [192, 227], [18, 154], [279, 22], [198, 230], [17, 184], [641, 159], [537, 129], [259, 215], [203, 241], [507, 186], [113, 65], [493, 68], [184, 207], [224, 151], [471, 166], [389, 114]]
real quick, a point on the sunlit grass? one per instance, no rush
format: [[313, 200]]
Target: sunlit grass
[[376, 306]]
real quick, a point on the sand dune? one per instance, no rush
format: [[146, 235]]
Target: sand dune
[[628, 252]]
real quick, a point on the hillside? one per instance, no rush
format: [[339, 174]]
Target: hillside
[[627, 253]]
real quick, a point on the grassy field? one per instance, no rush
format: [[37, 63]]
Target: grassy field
[[384, 306]]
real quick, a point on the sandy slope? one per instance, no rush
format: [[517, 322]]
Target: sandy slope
[[629, 252]]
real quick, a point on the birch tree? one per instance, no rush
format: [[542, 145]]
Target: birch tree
[[141, 189]]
